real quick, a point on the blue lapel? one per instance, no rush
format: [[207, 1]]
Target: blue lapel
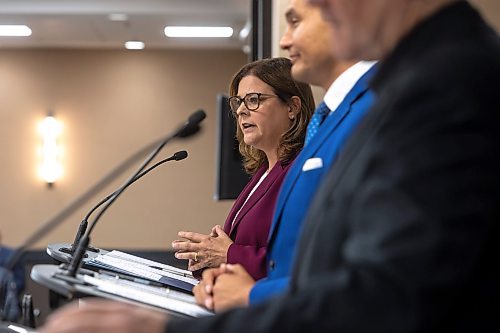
[[325, 131]]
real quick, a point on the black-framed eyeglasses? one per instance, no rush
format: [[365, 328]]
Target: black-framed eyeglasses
[[252, 101]]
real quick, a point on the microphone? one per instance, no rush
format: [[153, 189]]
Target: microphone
[[178, 156], [190, 127]]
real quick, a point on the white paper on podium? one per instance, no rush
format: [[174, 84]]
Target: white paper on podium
[[164, 298], [126, 263]]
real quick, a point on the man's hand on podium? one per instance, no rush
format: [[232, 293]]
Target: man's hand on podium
[[223, 288], [103, 316]]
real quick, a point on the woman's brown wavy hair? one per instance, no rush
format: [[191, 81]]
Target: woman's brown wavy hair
[[276, 72]]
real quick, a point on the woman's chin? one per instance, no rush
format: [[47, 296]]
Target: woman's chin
[[250, 140]]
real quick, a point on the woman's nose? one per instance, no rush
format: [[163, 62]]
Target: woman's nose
[[242, 110]]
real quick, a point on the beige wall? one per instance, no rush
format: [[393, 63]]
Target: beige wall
[[111, 103]]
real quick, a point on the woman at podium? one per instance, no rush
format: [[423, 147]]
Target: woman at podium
[[272, 112]]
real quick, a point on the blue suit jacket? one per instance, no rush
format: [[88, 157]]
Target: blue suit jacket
[[300, 185]]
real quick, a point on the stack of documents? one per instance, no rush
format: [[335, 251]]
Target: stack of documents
[[161, 297], [125, 263]]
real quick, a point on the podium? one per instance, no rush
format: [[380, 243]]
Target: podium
[[106, 285], [113, 284]]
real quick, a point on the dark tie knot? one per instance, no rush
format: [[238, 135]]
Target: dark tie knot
[[322, 110], [319, 115]]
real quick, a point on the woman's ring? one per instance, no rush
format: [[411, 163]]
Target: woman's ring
[[195, 256]]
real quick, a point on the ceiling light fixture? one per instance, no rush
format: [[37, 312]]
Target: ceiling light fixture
[[15, 30], [134, 45], [180, 31], [118, 17]]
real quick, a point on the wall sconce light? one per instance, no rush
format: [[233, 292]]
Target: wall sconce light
[[50, 169]]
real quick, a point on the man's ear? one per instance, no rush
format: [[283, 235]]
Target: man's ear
[[294, 107]]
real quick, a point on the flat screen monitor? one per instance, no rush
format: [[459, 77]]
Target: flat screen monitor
[[230, 176]]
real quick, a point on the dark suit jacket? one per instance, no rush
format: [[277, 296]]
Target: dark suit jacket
[[251, 228], [402, 235]]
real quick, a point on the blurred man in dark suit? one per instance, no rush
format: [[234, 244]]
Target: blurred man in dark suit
[[401, 235]]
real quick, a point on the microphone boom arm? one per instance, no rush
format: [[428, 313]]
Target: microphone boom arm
[[189, 128], [178, 156]]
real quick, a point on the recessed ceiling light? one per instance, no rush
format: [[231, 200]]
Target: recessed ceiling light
[[134, 45], [14, 31], [180, 31], [118, 17]]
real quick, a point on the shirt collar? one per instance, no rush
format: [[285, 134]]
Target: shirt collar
[[344, 83]]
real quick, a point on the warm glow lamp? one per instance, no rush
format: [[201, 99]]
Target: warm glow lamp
[[50, 168]]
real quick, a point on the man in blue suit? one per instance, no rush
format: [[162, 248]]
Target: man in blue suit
[[347, 99]]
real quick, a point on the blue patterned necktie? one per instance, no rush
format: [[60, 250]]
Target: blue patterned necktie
[[317, 118]]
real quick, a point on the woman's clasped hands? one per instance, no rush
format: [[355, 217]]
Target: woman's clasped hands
[[203, 251]]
